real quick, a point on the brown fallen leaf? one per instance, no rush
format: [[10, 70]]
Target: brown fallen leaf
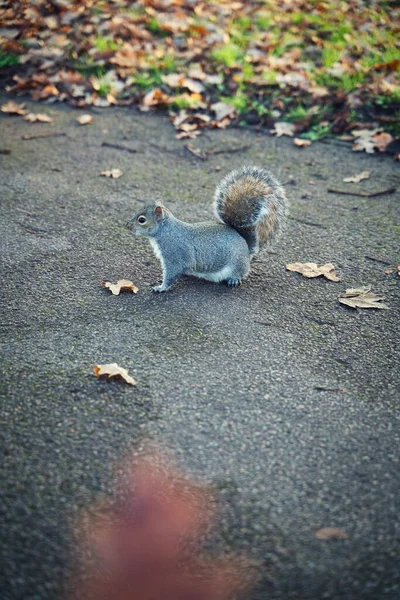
[[362, 298], [357, 178], [331, 533], [122, 284], [311, 270], [283, 128], [113, 173], [38, 117], [12, 108], [85, 119], [302, 143], [389, 271], [223, 110], [382, 140], [113, 370]]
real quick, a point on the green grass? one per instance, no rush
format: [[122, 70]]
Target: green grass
[[228, 55], [105, 44], [8, 60]]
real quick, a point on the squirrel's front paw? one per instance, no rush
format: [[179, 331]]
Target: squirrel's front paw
[[159, 288]]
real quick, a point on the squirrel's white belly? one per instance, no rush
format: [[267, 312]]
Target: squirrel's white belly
[[216, 276]]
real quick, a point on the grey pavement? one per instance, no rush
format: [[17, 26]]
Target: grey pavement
[[294, 422]]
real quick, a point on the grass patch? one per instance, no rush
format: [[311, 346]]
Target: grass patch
[[8, 60], [228, 55]]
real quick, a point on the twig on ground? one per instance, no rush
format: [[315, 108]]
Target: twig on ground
[[229, 150], [43, 135], [5, 151], [268, 324], [322, 388], [196, 152], [378, 260], [363, 194], [119, 147], [308, 222]]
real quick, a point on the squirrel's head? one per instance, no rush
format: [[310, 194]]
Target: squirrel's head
[[148, 220]]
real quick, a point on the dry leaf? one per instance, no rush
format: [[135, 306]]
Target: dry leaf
[[114, 173], [188, 135], [113, 370], [223, 110], [12, 108], [85, 119], [40, 117], [389, 271], [331, 533], [311, 270], [362, 298], [283, 128], [382, 140], [154, 98], [122, 284], [357, 178], [302, 143]]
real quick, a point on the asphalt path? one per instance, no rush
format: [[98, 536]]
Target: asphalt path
[[284, 400]]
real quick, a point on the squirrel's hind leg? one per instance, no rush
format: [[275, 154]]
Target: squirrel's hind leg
[[233, 282]]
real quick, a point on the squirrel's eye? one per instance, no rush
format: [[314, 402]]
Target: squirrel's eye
[[142, 220]]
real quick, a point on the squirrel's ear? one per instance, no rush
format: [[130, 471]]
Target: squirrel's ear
[[158, 213]]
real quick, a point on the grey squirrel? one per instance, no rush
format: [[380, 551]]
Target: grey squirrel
[[252, 206]]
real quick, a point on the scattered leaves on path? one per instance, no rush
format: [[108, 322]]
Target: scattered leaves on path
[[38, 118], [85, 119], [113, 173], [357, 178], [122, 284], [12, 108], [311, 270], [362, 298], [113, 370], [331, 533], [302, 143]]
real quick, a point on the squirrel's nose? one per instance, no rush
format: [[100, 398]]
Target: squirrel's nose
[[128, 225]]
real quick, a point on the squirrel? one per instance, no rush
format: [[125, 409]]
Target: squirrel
[[251, 206]]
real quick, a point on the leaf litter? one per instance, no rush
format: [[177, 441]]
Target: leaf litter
[[326, 72], [362, 298], [311, 270], [357, 178], [331, 533], [122, 284], [38, 118], [113, 173], [113, 370], [85, 119]]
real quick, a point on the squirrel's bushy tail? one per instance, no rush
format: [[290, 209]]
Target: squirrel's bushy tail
[[252, 201]]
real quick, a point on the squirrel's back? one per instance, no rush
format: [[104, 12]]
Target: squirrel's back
[[252, 201]]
